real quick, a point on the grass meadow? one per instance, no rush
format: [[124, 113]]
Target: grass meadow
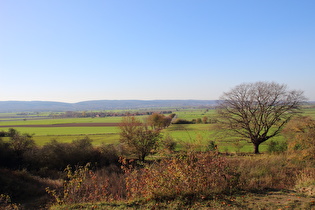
[[48, 121]]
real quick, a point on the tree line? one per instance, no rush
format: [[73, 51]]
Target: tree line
[[75, 114]]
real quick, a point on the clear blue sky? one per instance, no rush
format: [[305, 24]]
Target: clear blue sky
[[75, 50]]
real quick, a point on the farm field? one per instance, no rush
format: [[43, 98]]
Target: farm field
[[33, 121], [105, 130]]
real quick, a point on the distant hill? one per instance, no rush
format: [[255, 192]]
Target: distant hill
[[44, 106]]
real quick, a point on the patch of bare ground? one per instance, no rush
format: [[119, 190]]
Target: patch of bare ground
[[270, 200]]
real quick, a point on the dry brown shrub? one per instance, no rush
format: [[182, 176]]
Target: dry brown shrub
[[265, 172], [191, 175], [84, 185]]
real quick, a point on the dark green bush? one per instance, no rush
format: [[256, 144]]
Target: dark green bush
[[108, 155], [57, 156], [182, 121], [7, 156]]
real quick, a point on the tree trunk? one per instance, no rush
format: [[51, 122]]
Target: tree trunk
[[256, 148]]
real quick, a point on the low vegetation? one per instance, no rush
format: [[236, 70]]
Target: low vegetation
[[193, 180], [151, 168]]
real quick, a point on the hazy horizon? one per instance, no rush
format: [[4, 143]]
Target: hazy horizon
[[110, 100], [73, 51]]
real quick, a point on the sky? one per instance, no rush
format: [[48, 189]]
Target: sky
[[75, 50]]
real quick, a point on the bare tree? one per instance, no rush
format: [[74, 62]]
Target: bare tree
[[258, 111], [138, 137]]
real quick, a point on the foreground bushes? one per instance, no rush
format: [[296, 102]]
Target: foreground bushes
[[20, 152], [189, 177], [193, 175], [84, 185]]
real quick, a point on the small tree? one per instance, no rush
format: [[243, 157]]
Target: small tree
[[159, 121], [138, 137], [258, 111]]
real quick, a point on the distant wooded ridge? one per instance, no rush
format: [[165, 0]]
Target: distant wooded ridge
[[44, 106]]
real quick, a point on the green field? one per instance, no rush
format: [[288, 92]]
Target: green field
[[189, 114], [98, 139], [193, 134], [48, 121]]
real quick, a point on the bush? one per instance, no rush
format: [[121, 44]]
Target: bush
[[3, 134], [189, 176], [182, 121], [7, 155], [168, 143], [57, 156], [108, 155], [85, 185], [12, 132], [12, 152], [6, 204]]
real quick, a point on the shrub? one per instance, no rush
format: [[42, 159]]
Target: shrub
[[3, 134], [168, 143], [84, 185], [159, 121], [15, 149], [12, 132], [57, 155], [181, 121], [6, 204], [198, 120], [189, 176], [7, 155], [54, 155], [108, 154]]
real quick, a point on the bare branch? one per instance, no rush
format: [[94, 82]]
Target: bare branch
[[258, 111]]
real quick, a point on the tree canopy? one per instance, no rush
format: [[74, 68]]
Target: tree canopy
[[258, 111], [138, 137]]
